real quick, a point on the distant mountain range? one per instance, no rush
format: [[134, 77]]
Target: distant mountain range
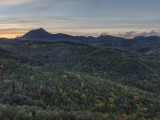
[[103, 40], [41, 34]]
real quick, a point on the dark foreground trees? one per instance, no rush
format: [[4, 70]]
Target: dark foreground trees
[[65, 81]]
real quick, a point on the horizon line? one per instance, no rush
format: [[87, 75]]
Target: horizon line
[[87, 35]]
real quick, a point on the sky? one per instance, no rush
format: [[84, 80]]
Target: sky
[[125, 18]]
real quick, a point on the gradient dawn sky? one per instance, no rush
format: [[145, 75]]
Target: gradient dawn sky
[[125, 18]]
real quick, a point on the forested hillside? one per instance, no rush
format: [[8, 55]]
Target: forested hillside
[[116, 65], [149, 52], [62, 80]]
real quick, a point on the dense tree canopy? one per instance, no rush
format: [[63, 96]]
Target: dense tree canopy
[[45, 81]]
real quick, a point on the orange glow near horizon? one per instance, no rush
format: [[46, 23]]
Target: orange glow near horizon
[[10, 35], [13, 33]]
